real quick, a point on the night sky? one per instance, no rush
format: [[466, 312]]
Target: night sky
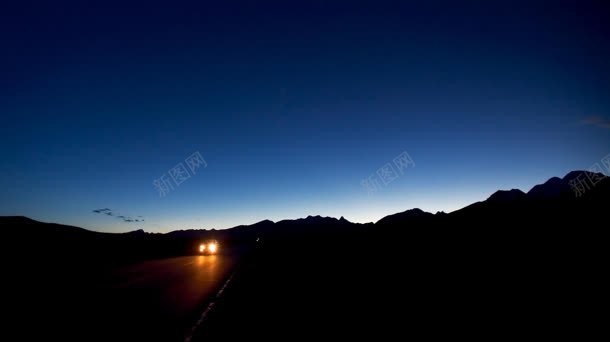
[[292, 105]]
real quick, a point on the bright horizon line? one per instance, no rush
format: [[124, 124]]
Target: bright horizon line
[[108, 228], [425, 204]]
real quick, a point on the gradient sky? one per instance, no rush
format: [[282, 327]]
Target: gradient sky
[[292, 106]]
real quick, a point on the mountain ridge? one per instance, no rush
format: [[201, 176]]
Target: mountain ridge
[[553, 188]]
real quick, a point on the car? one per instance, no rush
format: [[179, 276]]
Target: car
[[209, 247]]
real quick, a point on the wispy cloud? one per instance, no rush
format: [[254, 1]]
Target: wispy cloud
[[127, 219], [597, 121]]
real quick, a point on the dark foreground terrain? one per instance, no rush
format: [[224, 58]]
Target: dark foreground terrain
[[152, 300], [516, 265]]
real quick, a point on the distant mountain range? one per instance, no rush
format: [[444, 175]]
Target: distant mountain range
[[554, 204]]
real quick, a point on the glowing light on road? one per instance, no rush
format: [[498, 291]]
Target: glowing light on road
[[212, 247], [201, 248]]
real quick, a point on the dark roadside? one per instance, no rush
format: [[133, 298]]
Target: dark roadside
[[362, 285]]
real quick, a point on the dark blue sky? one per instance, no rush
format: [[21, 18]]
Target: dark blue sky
[[292, 106]]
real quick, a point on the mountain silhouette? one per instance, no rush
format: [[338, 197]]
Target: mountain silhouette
[[551, 188], [405, 216], [507, 195], [552, 204]]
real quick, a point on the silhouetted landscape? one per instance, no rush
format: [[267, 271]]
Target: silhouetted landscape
[[475, 266], [549, 206]]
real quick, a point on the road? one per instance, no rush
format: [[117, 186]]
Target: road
[[155, 300], [167, 294]]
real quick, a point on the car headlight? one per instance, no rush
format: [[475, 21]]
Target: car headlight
[[201, 248], [212, 247]]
